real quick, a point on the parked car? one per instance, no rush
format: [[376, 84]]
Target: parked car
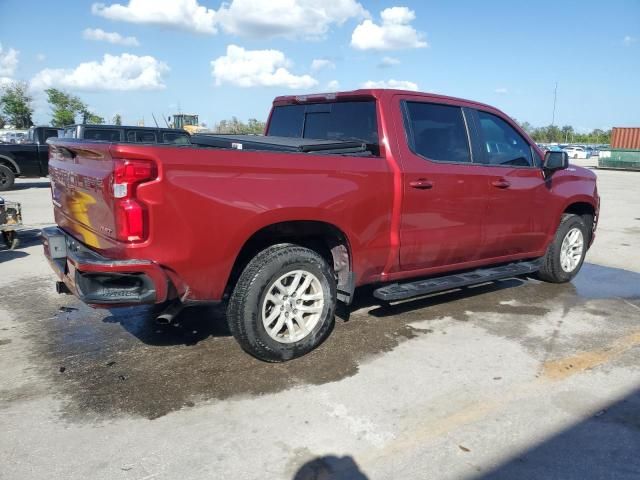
[[550, 148], [13, 137], [593, 151], [577, 152], [412, 192]]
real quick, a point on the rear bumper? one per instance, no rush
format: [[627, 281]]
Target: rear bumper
[[102, 281]]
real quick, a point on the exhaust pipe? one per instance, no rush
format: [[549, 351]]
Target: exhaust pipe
[[62, 288], [170, 313]]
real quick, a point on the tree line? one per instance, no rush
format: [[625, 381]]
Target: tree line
[[566, 134], [16, 108], [238, 127]]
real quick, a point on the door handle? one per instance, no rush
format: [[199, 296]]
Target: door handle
[[502, 183], [421, 184]]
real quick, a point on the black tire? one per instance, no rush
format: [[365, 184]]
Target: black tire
[[7, 178], [551, 269], [244, 311]]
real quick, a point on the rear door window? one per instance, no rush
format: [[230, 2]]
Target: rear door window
[[141, 136], [503, 145], [437, 132], [176, 138], [102, 134]]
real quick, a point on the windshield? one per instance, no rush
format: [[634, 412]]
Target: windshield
[[328, 121]]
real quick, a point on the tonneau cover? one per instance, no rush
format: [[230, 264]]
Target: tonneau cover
[[282, 144]]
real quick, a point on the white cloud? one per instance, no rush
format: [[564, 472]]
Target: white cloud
[[628, 40], [394, 33], [257, 68], [181, 14], [286, 18], [8, 61], [320, 63], [4, 81], [387, 62], [100, 35], [254, 18], [41, 57], [397, 84], [333, 85], [501, 91], [123, 72]]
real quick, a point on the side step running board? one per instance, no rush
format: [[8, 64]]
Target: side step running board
[[401, 291]]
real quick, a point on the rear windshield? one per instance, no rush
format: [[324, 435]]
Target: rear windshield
[[328, 121]]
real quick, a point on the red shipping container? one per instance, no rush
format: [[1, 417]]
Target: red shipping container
[[627, 138]]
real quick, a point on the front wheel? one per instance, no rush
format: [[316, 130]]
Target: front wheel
[[283, 304], [566, 253]]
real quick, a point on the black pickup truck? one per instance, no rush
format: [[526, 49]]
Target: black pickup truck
[[31, 159], [26, 159]]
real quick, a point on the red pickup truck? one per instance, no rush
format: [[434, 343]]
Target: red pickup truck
[[413, 192]]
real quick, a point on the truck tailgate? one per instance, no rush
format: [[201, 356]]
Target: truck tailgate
[[81, 184]]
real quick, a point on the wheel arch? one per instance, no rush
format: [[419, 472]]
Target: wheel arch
[[580, 207], [587, 211], [11, 163], [325, 238]]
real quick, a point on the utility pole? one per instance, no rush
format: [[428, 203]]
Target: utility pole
[[555, 97]]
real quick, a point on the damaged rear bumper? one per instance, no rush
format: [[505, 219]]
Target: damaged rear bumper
[[102, 281]]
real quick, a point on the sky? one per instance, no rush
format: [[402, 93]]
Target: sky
[[221, 59]]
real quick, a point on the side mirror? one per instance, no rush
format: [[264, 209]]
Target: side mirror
[[555, 161]]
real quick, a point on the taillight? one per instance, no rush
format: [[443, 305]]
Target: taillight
[[130, 213]]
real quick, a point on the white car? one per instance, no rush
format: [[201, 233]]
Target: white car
[[577, 152]]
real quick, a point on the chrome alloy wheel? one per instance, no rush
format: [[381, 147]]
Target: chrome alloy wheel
[[571, 250], [293, 306]]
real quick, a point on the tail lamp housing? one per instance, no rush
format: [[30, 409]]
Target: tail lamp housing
[[131, 216]]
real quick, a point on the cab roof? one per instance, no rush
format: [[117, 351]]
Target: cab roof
[[377, 93]]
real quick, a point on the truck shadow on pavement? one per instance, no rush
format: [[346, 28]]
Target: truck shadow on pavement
[[195, 324], [190, 327], [606, 444]]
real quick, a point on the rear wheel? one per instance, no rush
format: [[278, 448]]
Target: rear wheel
[[283, 304], [7, 178], [566, 253]]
